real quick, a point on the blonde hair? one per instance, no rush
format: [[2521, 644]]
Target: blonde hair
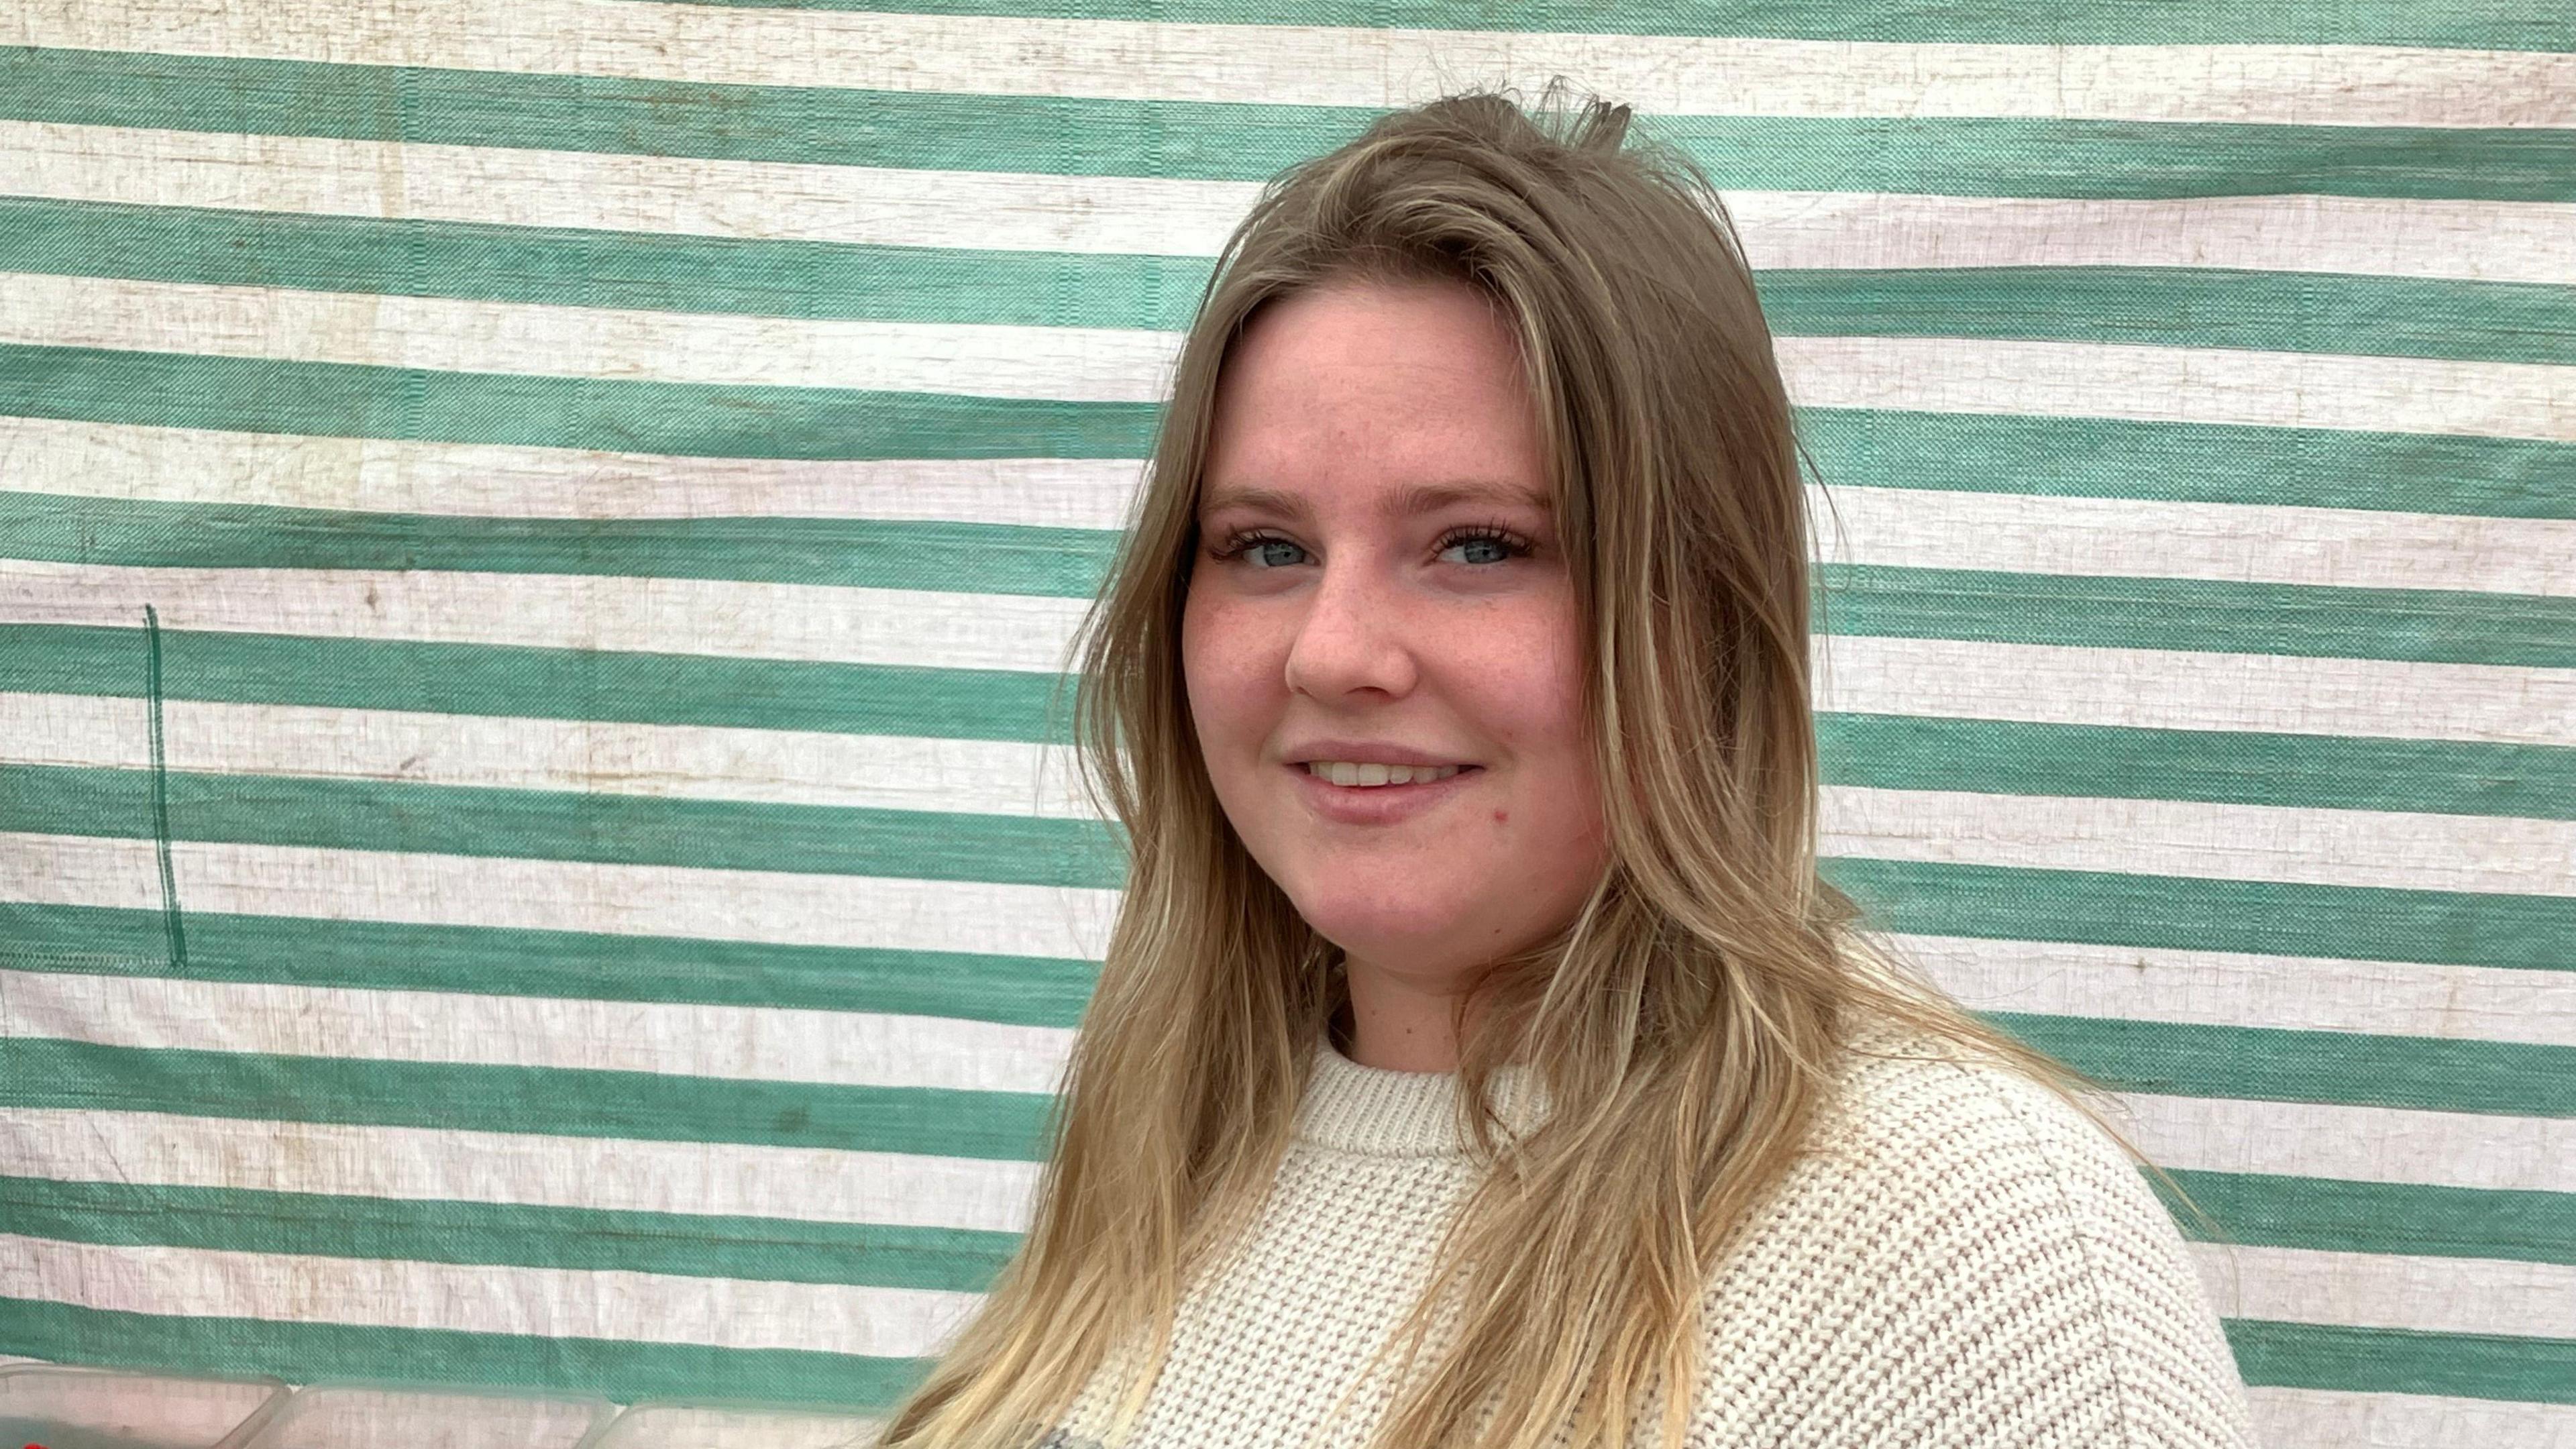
[[1684, 1025]]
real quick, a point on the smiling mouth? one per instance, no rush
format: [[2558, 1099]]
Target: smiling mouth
[[1372, 776]]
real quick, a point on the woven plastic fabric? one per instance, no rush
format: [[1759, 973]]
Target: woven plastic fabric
[[536, 537]]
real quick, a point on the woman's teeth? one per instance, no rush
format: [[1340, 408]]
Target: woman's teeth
[[1345, 772]]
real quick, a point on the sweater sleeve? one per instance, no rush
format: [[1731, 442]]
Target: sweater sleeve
[[1968, 1262], [2175, 1378]]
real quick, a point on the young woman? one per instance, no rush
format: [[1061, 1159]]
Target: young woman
[[1479, 1059]]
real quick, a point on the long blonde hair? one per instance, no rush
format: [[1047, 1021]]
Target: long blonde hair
[[1684, 1025]]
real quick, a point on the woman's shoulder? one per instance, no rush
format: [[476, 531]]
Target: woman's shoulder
[[1964, 1257], [1942, 1116]]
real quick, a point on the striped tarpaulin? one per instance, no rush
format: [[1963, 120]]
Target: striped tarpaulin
[[536, 538]]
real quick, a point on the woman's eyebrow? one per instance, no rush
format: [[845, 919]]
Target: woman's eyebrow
[[1405, 502]]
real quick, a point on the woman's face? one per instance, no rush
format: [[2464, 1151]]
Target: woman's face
[[1378, 583]]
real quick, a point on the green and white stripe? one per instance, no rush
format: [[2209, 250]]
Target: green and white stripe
[[583, 886]]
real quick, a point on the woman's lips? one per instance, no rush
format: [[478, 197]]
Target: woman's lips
[[1378, 804]]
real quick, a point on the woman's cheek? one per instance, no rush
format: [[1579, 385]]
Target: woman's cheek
[[1228, 676]]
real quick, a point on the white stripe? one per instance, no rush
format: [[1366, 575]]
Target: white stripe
[[1921, 374], [2229, 988], [2390, 1290], [732, 1043], [548, 895], [2287, 1418], [2349, 548], [2213, 385], [2358, 1144], [812, 1184], [2469, 240], [447, 334], [1937, 678], [808, 622], [490, 480], [2188, 690], [1314, 65], [769, 200], [689, 762], [2362, 548], [484, 1297], [2203, 840]]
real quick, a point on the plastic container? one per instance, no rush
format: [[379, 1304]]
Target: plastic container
[[374, 1416], [712, 1426], [59, 1407]]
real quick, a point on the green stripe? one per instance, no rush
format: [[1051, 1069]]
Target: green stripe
[[2335, 1216], [2207, 615], [2401, 1361], [2288, 1355], [2486, 25], [552, 1101], [500, 961], [2193, 913], [2078, 457], [315, 1352], [2520, 1079], [1240, 141], [2270, 1354], [2056, 456], [266, 395], [566, 825], [1912, 752], [2219, 616], [981, 558], [2238, 767], [666, 271], [2169, 306], [2181, 307], [501, 679], [880, 1255]]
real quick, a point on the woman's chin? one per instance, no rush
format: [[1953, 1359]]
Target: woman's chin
[[1397, 935]]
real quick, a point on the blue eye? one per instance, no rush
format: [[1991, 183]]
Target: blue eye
[[1259, 548], [1485, 545]]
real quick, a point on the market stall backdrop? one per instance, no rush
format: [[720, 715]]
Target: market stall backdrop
[[537, 534]]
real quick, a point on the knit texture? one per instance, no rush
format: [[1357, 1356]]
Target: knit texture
[[1960, 1261]]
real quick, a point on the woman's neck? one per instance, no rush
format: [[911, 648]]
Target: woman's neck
[[1386, 1024]]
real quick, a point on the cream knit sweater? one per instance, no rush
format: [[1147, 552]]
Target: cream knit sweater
[[1961, 1262]]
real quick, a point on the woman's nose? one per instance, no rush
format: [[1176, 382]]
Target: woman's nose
[[1350, 636]]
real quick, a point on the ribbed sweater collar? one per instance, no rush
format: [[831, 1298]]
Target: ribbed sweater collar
[[1383, 1113]]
